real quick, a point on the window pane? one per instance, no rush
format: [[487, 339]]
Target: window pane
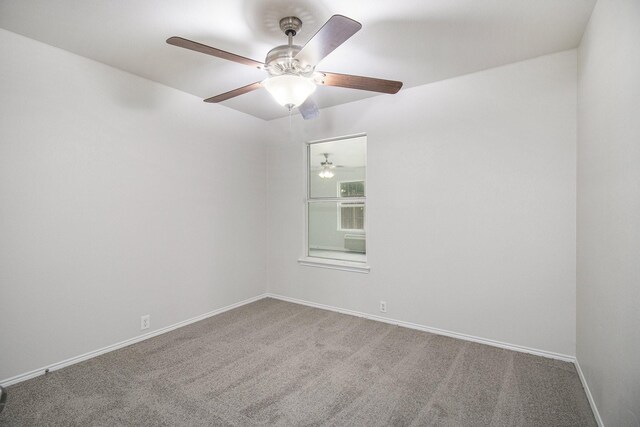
[[335, 162], [330, 235]]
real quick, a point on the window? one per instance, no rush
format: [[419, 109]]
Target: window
[[351, 189], [336, 203], [351, 215]]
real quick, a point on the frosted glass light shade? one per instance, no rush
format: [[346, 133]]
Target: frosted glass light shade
[[325, 173], [289, 90]]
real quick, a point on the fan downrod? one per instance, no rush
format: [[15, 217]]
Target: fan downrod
[[290, 25]]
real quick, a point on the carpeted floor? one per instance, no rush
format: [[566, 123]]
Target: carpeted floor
[[277, 363]]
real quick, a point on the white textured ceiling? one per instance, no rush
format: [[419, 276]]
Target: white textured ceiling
[[414, 41]]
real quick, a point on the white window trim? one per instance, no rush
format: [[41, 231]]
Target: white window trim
[[333, 264]]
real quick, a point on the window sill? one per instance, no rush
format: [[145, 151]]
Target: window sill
[[334, 264]]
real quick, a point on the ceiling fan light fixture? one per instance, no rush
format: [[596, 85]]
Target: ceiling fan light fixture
[[289, 90], [326, 172]]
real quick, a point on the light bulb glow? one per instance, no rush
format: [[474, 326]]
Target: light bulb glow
[[326, 173], [289, 90]]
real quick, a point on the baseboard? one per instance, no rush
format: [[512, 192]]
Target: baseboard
[[438, 331], [592, 402], [91, 354]]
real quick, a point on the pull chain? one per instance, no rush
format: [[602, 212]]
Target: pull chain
[[290, 130]]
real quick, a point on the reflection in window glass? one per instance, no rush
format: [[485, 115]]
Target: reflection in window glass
[[326, 240], [336, 203], [352, 216], [343, 160], [352, 189]]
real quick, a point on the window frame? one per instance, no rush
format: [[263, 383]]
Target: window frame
[[337, 264]]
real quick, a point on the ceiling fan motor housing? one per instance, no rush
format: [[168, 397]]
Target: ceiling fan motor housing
[[281, 59]]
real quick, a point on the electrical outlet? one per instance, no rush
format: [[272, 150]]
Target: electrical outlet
[[145, 322], [383, 306]]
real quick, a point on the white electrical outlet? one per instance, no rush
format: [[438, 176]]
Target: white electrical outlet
[[383, 306], [145, 322]]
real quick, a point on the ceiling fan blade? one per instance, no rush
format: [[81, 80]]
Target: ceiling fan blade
[[309, 109], [203, 48], [234, 93], [333, 33], [360, 82]]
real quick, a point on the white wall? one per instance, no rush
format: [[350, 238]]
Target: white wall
[[121, 197], [118, 197], [471, 205], [608, 280]]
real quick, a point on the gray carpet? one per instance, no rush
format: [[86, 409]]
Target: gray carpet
[[277, 363]]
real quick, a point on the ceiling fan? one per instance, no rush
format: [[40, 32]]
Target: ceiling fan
[[327, 167], [292, 76]]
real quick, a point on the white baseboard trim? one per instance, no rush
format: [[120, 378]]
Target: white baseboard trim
[[73, 360], [493, 343], [112, 347], [592, 402]]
